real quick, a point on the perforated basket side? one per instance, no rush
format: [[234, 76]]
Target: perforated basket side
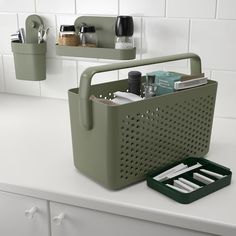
[[168, 129]]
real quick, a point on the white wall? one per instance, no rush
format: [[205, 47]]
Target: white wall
[[162, 27]]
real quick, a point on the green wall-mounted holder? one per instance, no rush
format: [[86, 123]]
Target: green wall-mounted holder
[[30, 57], [32, 25], [105, 29]]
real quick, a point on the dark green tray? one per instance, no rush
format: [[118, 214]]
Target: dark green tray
[[186, 198]]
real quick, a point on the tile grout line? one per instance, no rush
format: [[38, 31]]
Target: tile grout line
[[40, 89], [56, 30], [118, 7], [3, 75], [75, 7], [17, 19], [189, 34], [211, 74], [49, 218], [77, 73], [225, 117], [141, 39], [118, 13], [216, 9], [35, 4], [165, 13], [189, 39]]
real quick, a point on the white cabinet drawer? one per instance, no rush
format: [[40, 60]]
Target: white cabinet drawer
[[73, 221], [23, 216]]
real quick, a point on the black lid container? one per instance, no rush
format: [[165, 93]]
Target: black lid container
[[124, 26], [67, 28], [134, 82], [87, 29]]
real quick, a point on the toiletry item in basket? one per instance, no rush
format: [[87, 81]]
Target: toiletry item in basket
[[134, 82], [150, 87], [102, 100], [189, 83], [165, 81], [169, 82], [123, 97]]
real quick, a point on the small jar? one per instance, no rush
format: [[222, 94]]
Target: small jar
[[88, 36], [67, 36], [150, 88], [134, 82]]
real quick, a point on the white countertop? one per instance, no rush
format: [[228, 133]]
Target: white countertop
[[36, 160]]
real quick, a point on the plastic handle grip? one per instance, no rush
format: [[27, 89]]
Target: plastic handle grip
[[58, 219], [86, 77], [31, 212]]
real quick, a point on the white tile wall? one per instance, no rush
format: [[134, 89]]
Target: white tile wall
[[12, 85], [215, 41], [142, 8], [95, 7], [65, 20], [97, 78], [55, 6], [2, 86], [164, 37], [191, 8], [137, 35], [162, 27], [225, 102], [8, 26], [17, 6], [61, 76], [227, 9]]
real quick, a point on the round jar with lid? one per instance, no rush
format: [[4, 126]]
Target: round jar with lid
[[68, 36], [88, 36]]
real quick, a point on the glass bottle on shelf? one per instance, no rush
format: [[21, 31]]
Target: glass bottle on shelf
[[88, 36], [67, 36]]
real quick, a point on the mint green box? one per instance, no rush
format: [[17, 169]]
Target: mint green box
[[165, 81]]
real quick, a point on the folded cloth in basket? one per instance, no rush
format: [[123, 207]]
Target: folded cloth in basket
[[102, 100], [123, 97]]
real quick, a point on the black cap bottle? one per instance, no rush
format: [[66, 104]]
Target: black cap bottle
[[134, 82]]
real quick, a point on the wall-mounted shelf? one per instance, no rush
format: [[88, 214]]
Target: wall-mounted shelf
[[105, 29], [105, 53]]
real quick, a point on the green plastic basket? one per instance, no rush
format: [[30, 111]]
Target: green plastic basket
[[117, 145]]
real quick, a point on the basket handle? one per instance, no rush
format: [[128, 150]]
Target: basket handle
[[86, 77]]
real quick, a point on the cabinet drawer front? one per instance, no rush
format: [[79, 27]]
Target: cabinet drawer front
[[23, 216], [74, 221]]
